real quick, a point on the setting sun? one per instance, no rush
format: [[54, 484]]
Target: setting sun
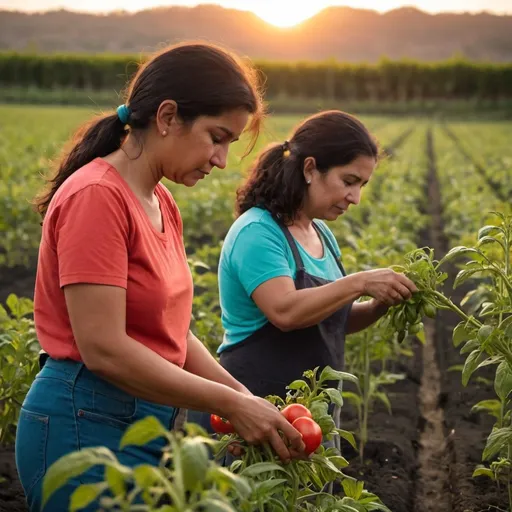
[[284, 15]]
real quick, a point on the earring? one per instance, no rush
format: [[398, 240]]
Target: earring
[[308, 182], [164, 133]]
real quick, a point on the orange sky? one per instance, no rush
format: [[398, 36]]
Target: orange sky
[[278, 12]]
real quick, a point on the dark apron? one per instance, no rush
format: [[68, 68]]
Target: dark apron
[[270, 359]]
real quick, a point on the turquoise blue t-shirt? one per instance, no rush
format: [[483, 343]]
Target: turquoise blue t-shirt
[[254, 251]]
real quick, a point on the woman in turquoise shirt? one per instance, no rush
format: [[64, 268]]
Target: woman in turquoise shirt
[[287, 302]]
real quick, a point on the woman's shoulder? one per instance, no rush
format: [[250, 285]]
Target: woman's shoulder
[[259, 219], [252, 229], [93, 181]]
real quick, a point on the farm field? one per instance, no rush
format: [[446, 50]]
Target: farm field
[[418, 435]]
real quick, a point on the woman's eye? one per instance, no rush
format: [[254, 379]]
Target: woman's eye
[[347, 183], [216, 140]]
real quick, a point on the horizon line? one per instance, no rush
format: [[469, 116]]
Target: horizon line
[[215, 5]]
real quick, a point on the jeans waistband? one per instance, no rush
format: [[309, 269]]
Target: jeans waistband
[[64, 369], [76, 374]]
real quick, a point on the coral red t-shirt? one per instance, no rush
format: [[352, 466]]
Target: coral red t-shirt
[[96, 231]]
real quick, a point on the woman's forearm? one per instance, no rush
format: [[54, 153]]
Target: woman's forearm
[[141, 372], [200, 362], [364, 314], [311, 306]]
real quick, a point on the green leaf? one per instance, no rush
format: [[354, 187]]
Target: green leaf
[[492, 407], [460, 334], [464, 275], [19, 307], [335, 396], [142, 432], [503, 381], [319, 409], [352, 398], [352, 488], [12, 303], [497, 440], [3, 315], [487, 230], [299, 384], [458, 251], [470, 346], [214, 505], [115, 480], [483, 471], [348, 436], [72, 465], [324, 462], [421, 335], [484, 332], [235, 481], [344, 508], [85, 495], [146, 475], [329, 373], [339, 461], [194, 462], [384, 399], [326, 423], [470, 366], [489, 240], [268, 486], [262, 467]]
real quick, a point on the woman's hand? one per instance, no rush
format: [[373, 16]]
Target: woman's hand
[[387, 286], [258, 421]]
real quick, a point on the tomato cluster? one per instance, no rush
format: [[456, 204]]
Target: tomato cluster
[[301, 419], [298, 415]]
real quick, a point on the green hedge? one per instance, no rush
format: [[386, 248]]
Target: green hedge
[[386, 80]]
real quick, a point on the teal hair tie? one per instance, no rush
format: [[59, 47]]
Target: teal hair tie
[[123, 112]]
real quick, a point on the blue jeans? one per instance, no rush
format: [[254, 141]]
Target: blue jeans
[[69, 408]]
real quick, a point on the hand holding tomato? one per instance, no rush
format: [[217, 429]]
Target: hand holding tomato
[[258, 421]]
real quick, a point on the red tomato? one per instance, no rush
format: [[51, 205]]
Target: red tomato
[[311, 433], [220, 425], [294, 411]]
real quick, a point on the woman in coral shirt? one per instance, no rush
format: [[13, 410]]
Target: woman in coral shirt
[[113, 295]]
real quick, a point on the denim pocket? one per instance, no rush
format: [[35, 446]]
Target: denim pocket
[[119, 422], [97, 400], [119, 405], [31, 441]]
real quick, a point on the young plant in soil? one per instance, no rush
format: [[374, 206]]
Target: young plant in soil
[[369, 346], [485, 332], [19, 351]]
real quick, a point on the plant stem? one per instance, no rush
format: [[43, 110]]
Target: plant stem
[[509, 483], [366, 399], [295, 493], [452, 306]]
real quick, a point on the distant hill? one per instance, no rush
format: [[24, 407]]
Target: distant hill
[[342, 33]]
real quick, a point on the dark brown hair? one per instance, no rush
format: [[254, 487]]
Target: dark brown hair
[[276, 180], [202, 78]]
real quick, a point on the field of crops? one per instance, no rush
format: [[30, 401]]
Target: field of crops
[[429, 404]]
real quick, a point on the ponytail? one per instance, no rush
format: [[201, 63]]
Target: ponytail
[[275, 183], [98, 138]]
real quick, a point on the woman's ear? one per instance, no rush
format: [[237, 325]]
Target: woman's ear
[[309, 169], [166, 113]]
